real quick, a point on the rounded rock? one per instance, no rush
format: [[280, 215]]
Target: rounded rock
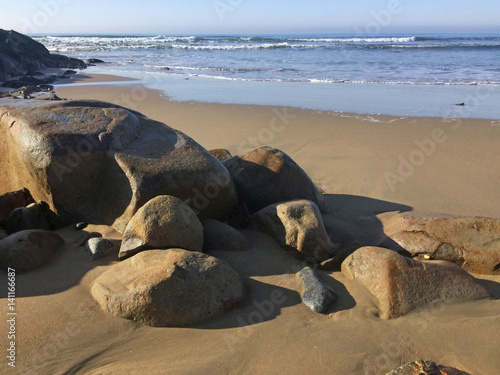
[[163, 222], [168, 288]]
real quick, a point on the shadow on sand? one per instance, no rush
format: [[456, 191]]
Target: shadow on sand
[[66, 270], [351, 221]]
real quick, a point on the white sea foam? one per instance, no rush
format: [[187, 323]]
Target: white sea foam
[[396, 60], [360, 40]]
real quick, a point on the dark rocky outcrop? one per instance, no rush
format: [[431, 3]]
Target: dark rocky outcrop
[[472, 243], [98, 162], [20, 55], [265, 175], [51, 96], [95, 61], [401, 284], [168, 288]]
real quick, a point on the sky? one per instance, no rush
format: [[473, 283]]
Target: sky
[[178, 17]]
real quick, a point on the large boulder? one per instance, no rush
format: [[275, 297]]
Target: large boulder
[[401, 284], [265, 175], [296, 225], [168, 288], [98, 162], [29, 249], [19, 54], [470, 242], [162, 223], [220, 236]]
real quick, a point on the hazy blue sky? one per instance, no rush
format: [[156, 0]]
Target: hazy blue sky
[[248, 16]]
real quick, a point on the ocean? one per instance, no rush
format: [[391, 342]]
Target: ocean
[[401, 75]]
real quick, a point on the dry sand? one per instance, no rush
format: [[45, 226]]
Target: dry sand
[[61, 330]]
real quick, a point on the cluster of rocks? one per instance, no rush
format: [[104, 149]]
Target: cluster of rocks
[[174, 201], [21, 61], [34, 86], [36, 81]]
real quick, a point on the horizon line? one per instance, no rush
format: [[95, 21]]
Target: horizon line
[[370, 35]]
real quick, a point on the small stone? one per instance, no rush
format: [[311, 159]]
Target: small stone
[[48, 97], [87, 236], [315, 293], [221, 154], [68, 73], [95, 61], [80, 226], [99, 248]]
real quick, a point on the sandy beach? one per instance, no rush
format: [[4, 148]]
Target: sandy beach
[[365, 165]]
